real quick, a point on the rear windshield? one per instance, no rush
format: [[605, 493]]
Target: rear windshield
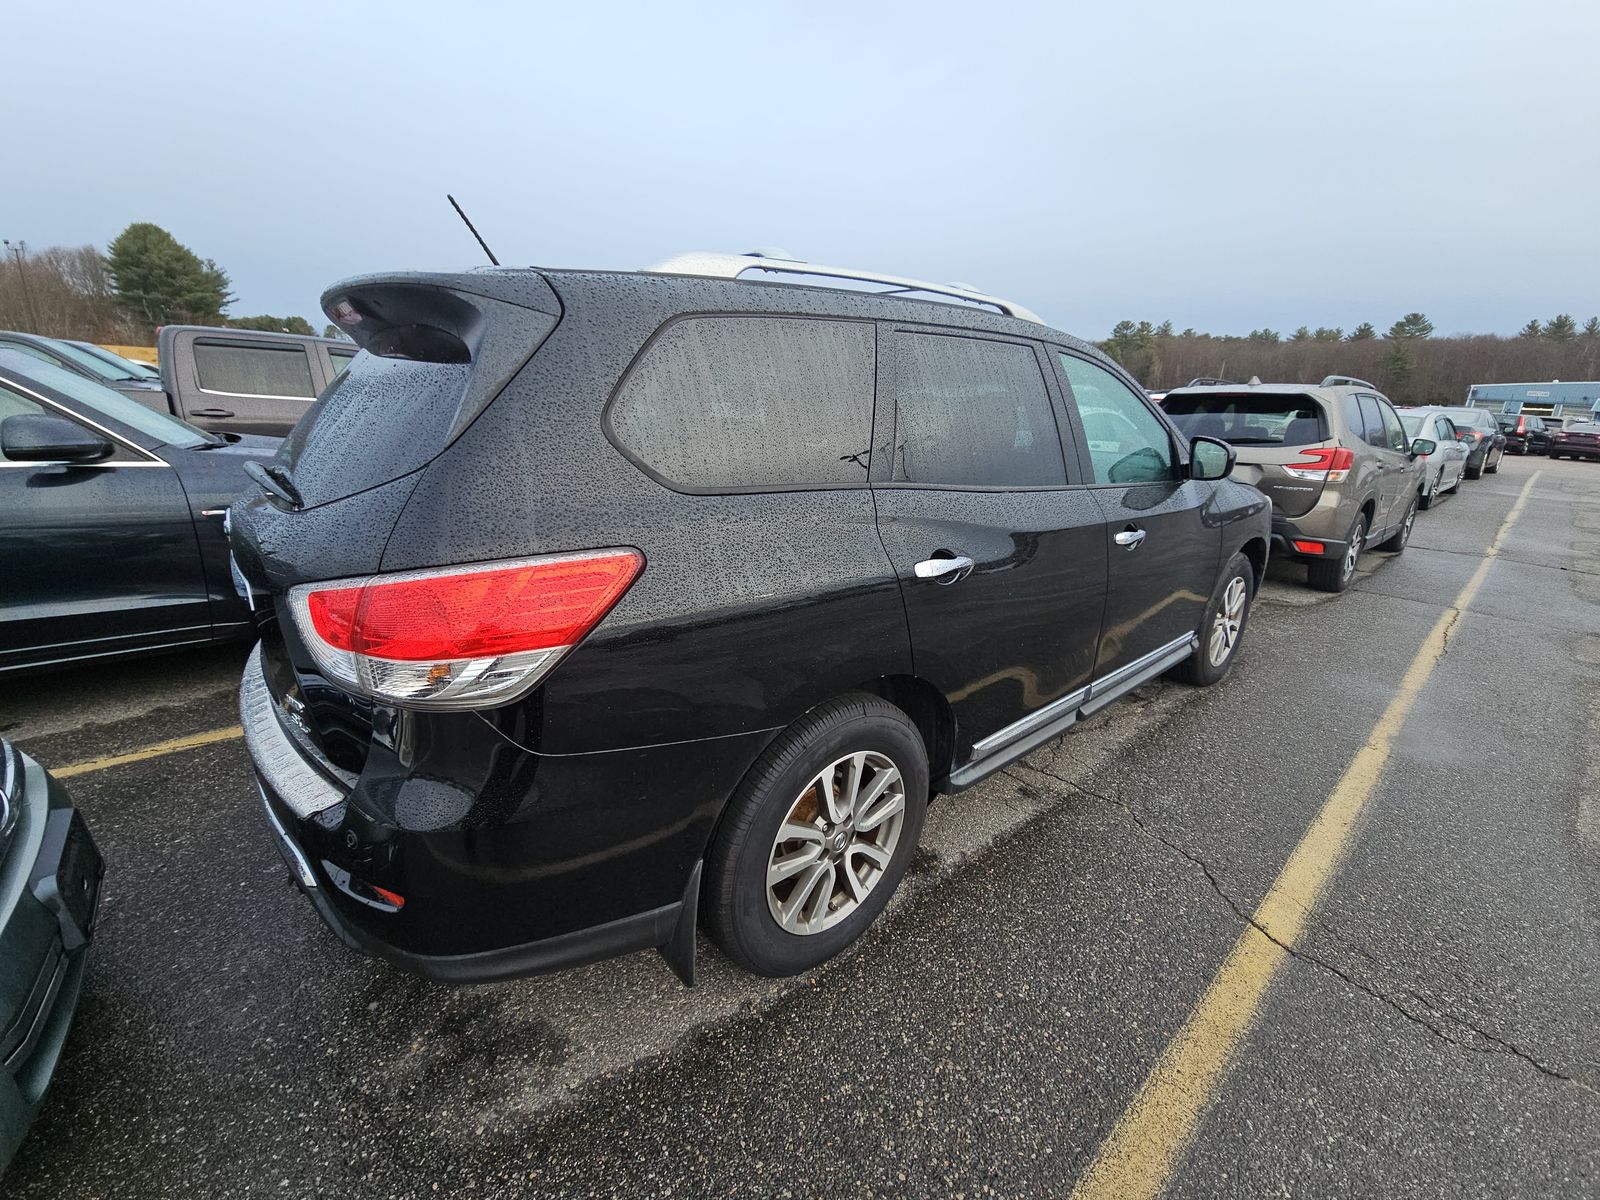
[[1583, 427], [1250, 420]]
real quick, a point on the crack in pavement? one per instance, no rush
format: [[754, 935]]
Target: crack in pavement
[[1497, 1044]]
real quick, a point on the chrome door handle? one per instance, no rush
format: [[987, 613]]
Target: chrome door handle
[[1130, 538], [945, 570]]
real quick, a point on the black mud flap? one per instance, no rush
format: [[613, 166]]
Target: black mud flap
[[678, 950]]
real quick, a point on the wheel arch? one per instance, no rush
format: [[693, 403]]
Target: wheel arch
[[1256, 551]]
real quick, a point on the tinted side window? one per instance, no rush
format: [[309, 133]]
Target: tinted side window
[[974, 413], [1446, 432], [1127, 442], [733, 403], [1395, 431], [1372, 422], [253, 370], [340, 360]]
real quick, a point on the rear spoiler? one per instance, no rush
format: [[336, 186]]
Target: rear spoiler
[[435, 316]]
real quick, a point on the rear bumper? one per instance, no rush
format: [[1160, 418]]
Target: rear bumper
[[1285, 533], [44, 939], [492, 861]]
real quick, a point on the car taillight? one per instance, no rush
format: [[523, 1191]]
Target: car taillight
[[459, 637], [1330, 463]]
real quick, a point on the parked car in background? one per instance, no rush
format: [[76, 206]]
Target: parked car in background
[[91, 363], [133, 369], [1446, 466], [1578, 440], [111, 540], [50, 872], [1524, 434], [1481, 435], [1334, 458], [242, 380], [703, 586]]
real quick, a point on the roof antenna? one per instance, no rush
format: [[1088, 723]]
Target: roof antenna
[[467, 221]]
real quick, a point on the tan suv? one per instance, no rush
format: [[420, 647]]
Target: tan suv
[[1334, 459]]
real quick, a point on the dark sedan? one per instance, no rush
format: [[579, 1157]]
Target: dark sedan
[[88, 361], [113, 534], [1481, 435], [1581, 440], [49, 886]]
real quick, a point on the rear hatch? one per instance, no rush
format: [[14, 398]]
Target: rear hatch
[[1274, 435], [438, 350]]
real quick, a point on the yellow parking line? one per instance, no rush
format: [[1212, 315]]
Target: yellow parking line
[[146, 752], [1138, 1157]]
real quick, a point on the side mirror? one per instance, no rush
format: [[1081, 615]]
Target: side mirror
[[1423, 447], [40, 437], [1210, 458]]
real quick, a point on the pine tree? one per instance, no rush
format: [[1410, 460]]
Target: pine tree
[[1591, 328], [1303, 334], [160, 281], [1412, 325], [1561, 328], [1531, 330], [1363, 332]]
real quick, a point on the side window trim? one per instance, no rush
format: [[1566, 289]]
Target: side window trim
[[885, 400], [1178, 444]]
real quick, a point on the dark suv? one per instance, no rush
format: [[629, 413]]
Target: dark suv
[[1524, 434], [592, 604]]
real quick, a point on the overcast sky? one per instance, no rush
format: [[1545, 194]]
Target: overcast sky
[[1225, 165]]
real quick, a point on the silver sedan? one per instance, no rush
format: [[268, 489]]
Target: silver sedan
[[1446, 467]]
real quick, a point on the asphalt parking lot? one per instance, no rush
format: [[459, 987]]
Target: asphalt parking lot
[[1431, 1029]]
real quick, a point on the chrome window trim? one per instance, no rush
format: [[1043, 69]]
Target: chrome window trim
[[1093, 696], [154, 460], [254, 395]]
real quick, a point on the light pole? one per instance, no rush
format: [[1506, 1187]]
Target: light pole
[[27, 296]]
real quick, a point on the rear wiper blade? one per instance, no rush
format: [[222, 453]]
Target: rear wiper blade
[[276, 480]]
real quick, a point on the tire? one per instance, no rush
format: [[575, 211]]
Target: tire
[[1397, 544], [1336, 575], [1222, 625], [738, 903], [1491, 468], [1476, 472], [1431, 497]]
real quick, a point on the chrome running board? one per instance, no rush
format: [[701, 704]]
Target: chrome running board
[[1040, 726]]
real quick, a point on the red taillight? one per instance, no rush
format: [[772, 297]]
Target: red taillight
[[1309, 547], [504, 610], [1522, 426], [1332, 462], [460, 637]]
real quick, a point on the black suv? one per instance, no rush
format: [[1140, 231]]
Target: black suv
[[593, 605], [1524, 434]]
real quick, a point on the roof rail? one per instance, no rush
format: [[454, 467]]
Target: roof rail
[[731, 266], [1345, 381], [1207, 381]]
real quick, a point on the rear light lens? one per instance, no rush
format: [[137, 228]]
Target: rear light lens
[[1310, 547], [1329, 463], [1469, 438], [459, 637]]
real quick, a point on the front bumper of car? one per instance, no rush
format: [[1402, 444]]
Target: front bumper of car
[[49, 896]]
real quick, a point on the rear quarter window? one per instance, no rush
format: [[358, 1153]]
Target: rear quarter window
[[1250, 420], [735, 403]]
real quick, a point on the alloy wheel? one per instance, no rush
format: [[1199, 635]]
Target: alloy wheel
[[1229, 620], [835, 842], [1353, 554]]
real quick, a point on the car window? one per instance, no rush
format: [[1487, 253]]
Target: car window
[[737, 403], [254, 370], [15, 404], [1372, 430], [340, 360], [30, 351], [970, 412], [1391, 426], [1127, 442], [1444, 429], [1252, 419], [108, 402]]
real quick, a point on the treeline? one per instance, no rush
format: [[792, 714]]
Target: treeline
[[1408, 363], [144, 279]]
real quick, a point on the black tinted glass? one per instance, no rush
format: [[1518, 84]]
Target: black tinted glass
[[1372, 422], [724, 403], [973, 413], [1250, 420]]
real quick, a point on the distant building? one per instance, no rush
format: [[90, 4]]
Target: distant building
[[1571, 400]]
